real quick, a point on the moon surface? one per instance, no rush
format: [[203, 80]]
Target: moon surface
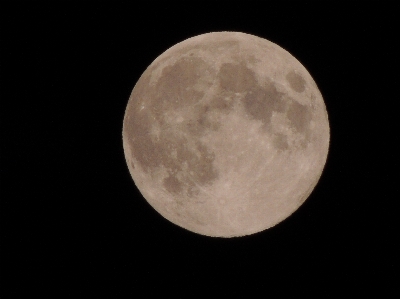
[[225, 134]]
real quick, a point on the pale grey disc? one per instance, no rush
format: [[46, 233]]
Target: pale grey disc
[[226, 134]]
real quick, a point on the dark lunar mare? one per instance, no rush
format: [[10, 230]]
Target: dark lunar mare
[[189, 167]]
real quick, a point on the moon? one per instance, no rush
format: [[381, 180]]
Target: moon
[[225, 134]]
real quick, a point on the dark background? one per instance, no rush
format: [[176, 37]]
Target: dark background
[[73, 224]]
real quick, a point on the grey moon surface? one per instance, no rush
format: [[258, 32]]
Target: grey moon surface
[[226, 134]]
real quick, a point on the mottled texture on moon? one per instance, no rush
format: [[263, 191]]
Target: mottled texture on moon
[[226, 134]]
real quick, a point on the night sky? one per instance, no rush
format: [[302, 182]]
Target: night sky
[[73, 223]]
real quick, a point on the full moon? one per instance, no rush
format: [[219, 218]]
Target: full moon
[[225, 134]]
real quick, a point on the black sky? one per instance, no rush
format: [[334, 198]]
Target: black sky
[[73, 222]]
